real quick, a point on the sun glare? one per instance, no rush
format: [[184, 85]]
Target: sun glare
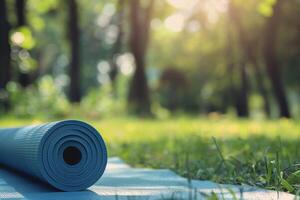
[[183, 4], [18, 38], [175, 22]]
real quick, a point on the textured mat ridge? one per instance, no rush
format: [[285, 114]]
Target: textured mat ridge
[[122, 182], [69, 155]]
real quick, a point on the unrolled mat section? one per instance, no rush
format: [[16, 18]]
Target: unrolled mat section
[[69, 155]]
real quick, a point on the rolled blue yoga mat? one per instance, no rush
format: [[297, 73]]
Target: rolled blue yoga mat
[[69, 155]]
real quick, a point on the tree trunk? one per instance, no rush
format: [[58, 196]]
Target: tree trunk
[[74, 37], [239, 94], [269, 49], [261, 85], [230, 67], [140, 24], [249, 55], [242, 101], [117, 47], [5, 71], [20, 6]]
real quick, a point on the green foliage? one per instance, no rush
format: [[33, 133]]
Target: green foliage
[[237, 158], [43, 6], [199, 48], [22, 37], [38, 100], [265, 8], [175, 92], [294, 178], [102, 102], [47, 100]]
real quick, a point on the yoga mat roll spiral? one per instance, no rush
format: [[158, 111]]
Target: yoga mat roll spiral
[[69, 155]]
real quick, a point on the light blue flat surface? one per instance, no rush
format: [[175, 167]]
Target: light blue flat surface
[[120, 181]]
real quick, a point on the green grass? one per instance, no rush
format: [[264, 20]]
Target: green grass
[[260, 153]]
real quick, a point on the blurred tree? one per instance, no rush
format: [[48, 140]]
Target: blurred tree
[[217, 51], [230, 67], [74, 39], [238, 92], [117, 47], [249, 53], [237, 65], [20, 12], [140, 18], [173, 89], [5, 67], [243, 90], [20, 9], [271, 60]]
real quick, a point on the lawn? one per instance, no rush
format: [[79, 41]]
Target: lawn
[[225, 150]]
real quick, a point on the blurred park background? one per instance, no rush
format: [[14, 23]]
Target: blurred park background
[[149, 57], [160, 78]]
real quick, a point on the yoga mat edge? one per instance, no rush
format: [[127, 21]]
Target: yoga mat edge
[[70, 155]]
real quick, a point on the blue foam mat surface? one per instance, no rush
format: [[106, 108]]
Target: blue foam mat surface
[[68, 155], [121, 181]]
